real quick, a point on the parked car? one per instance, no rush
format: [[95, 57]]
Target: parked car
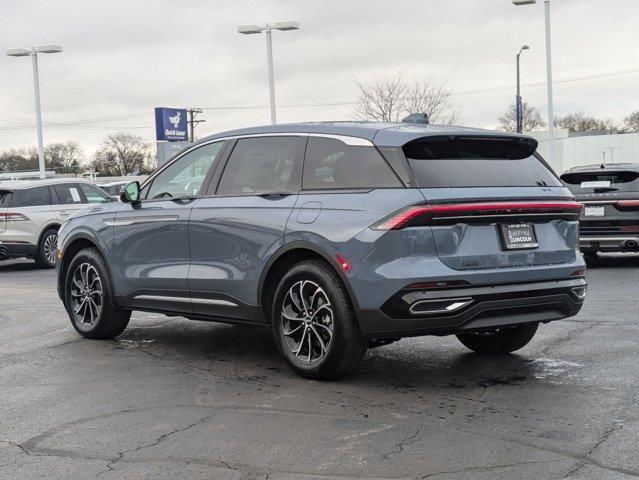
[[341, 237], [31, 212], [114, 189], [610, 193]]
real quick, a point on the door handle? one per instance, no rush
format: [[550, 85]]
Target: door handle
[[64, 213], [274, 195]]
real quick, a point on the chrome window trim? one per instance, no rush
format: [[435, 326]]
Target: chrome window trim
[[347, 139]]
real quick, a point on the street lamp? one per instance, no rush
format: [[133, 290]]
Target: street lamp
[[251, 29], [33, 52], [519, 112], [551, 116]]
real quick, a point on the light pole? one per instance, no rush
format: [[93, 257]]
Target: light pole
[[251, 29], [551, 115], [33, 52], [519, 112]]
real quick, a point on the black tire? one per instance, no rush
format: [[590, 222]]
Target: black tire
[[590, 254], [500, 341], [45, 255], [345, 346], [109, 320]]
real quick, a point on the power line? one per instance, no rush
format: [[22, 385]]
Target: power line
[[85, 124]]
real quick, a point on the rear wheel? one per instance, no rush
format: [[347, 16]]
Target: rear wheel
[[45, 255], [314, 323], [89, 299], [500, 341]]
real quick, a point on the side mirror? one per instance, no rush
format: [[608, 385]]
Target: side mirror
[[131, 193]]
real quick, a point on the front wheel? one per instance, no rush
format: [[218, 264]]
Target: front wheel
[[501, 341], [314, 323], [89, 298]]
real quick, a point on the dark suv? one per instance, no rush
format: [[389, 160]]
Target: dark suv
[[341, 236], [610, 193]]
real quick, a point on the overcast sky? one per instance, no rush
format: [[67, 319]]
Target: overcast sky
[[123, 57]]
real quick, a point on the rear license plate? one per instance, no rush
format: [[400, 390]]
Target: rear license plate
[[518, 236], [595, 212]]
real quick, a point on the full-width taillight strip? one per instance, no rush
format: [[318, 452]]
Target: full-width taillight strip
[[627, 205], [407, 216]]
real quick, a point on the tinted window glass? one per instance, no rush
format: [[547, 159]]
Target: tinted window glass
[[184, 177], [5, 198], [578, 178], [67, 193], [330, 163], [477, 163], [93, 194], [33, 197], [266, 164]]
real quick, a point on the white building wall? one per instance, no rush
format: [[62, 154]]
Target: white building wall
[[589, 149]]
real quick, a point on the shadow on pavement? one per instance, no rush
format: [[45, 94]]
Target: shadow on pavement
[[615, 260]]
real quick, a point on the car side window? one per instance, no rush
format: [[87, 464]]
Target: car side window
[[332, 164], [185, 176], [93, 194], [67, 193], [35, 197], [262, 165]]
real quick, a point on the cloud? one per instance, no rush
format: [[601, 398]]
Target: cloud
[[126, 57]]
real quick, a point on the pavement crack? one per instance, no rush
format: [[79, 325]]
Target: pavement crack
[[490, 467], [399, 447]]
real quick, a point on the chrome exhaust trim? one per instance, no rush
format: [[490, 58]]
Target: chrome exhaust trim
[[439, 306]]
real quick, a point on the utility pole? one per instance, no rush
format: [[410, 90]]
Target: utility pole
[[192, 113]]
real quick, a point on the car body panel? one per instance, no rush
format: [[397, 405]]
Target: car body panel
[[215, 251]]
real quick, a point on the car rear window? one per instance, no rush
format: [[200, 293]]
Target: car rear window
[[577, 178], [486, 162]]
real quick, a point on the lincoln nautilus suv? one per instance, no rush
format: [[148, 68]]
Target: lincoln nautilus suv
[[610, 193], [340, 237]]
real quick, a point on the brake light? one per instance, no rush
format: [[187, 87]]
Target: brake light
[[14, 217], [424, 214], [628, 205], [579, 273]]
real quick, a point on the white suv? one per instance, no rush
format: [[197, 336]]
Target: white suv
[[31, 212]]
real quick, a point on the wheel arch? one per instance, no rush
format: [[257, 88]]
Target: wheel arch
[[284, 258], [50, 226], [72, 247]]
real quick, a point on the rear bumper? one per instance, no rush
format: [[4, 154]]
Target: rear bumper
[[616, 243], [489, 307], [17, 249]]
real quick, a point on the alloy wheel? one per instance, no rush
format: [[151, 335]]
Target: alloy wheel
[[49, 247], [307, 321], [86, 294]]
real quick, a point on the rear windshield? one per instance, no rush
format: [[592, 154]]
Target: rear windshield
[[5, 198], [477, 163], [577, 178]]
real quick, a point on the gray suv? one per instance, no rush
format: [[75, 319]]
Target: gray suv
[[610, 193], [340, 236]]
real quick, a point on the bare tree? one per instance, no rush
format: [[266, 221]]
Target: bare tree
[[631, 122], [121, 154], [16, 160], [579, 122], [64, 157], [380, 99], [389, 99], [531, 119], [433, 98]]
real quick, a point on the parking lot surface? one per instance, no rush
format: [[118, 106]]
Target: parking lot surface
[[172, 398]]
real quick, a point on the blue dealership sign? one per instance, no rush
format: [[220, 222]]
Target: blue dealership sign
[[170, 124]]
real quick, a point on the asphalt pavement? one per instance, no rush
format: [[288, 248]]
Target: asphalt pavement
[[173, 398]]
